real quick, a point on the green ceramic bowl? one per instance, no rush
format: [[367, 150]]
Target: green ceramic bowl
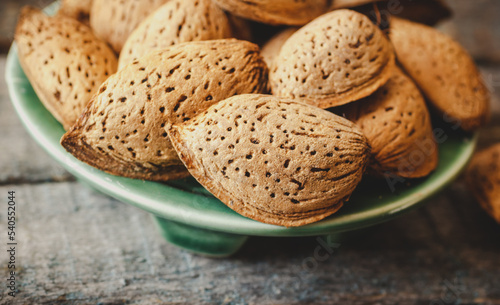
[[190, 217]]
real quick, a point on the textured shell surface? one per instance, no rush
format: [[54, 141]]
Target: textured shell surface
[[397, 123], [273, 46], [444, 71], [276, 11], [114, 20], [337, 58], [273, 160], [122, 130], [337, 4], [63, 60], [483, 179], [174, 22], [76, 9]]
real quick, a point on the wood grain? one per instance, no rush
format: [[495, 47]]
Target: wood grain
[[80, 247]]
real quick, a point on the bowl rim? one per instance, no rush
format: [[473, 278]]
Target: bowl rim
[[139, 193]]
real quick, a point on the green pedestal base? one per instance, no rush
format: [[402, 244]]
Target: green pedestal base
[[200, 241], [220, 244]]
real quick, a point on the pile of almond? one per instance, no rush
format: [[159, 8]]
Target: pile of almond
[[163, 89]]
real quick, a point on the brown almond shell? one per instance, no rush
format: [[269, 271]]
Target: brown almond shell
[[276, 11], [76, 9], [273, 160], [63, 60], [397, 124], [339, 4], [338, 58], [444, 71], [122, 129], [483, 179], [174, 22], [271, 49], [114, 20]]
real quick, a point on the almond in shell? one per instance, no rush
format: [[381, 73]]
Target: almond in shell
[[272, 159], [397, 123], [63, 60], [444, 71], [76, 9], [276, 11], [483, 179], [338, 4], [174, 22], [114, 20], [338, 58], [122, 129], [273, 46]]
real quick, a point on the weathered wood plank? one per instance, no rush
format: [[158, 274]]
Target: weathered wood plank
[[80, 247]]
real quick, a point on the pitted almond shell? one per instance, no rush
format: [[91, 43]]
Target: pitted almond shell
[[338, 58], [397, 124], [338, 4], [114, 20], [174, 22], [444, 71], [122, 129], [273, 160], [63, 60], [276, 11], [483, 179], [76, 9], [273, 46]]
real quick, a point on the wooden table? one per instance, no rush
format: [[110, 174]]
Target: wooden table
[[77, 246]]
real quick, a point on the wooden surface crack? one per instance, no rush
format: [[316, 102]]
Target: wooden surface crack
[[25, 180]]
